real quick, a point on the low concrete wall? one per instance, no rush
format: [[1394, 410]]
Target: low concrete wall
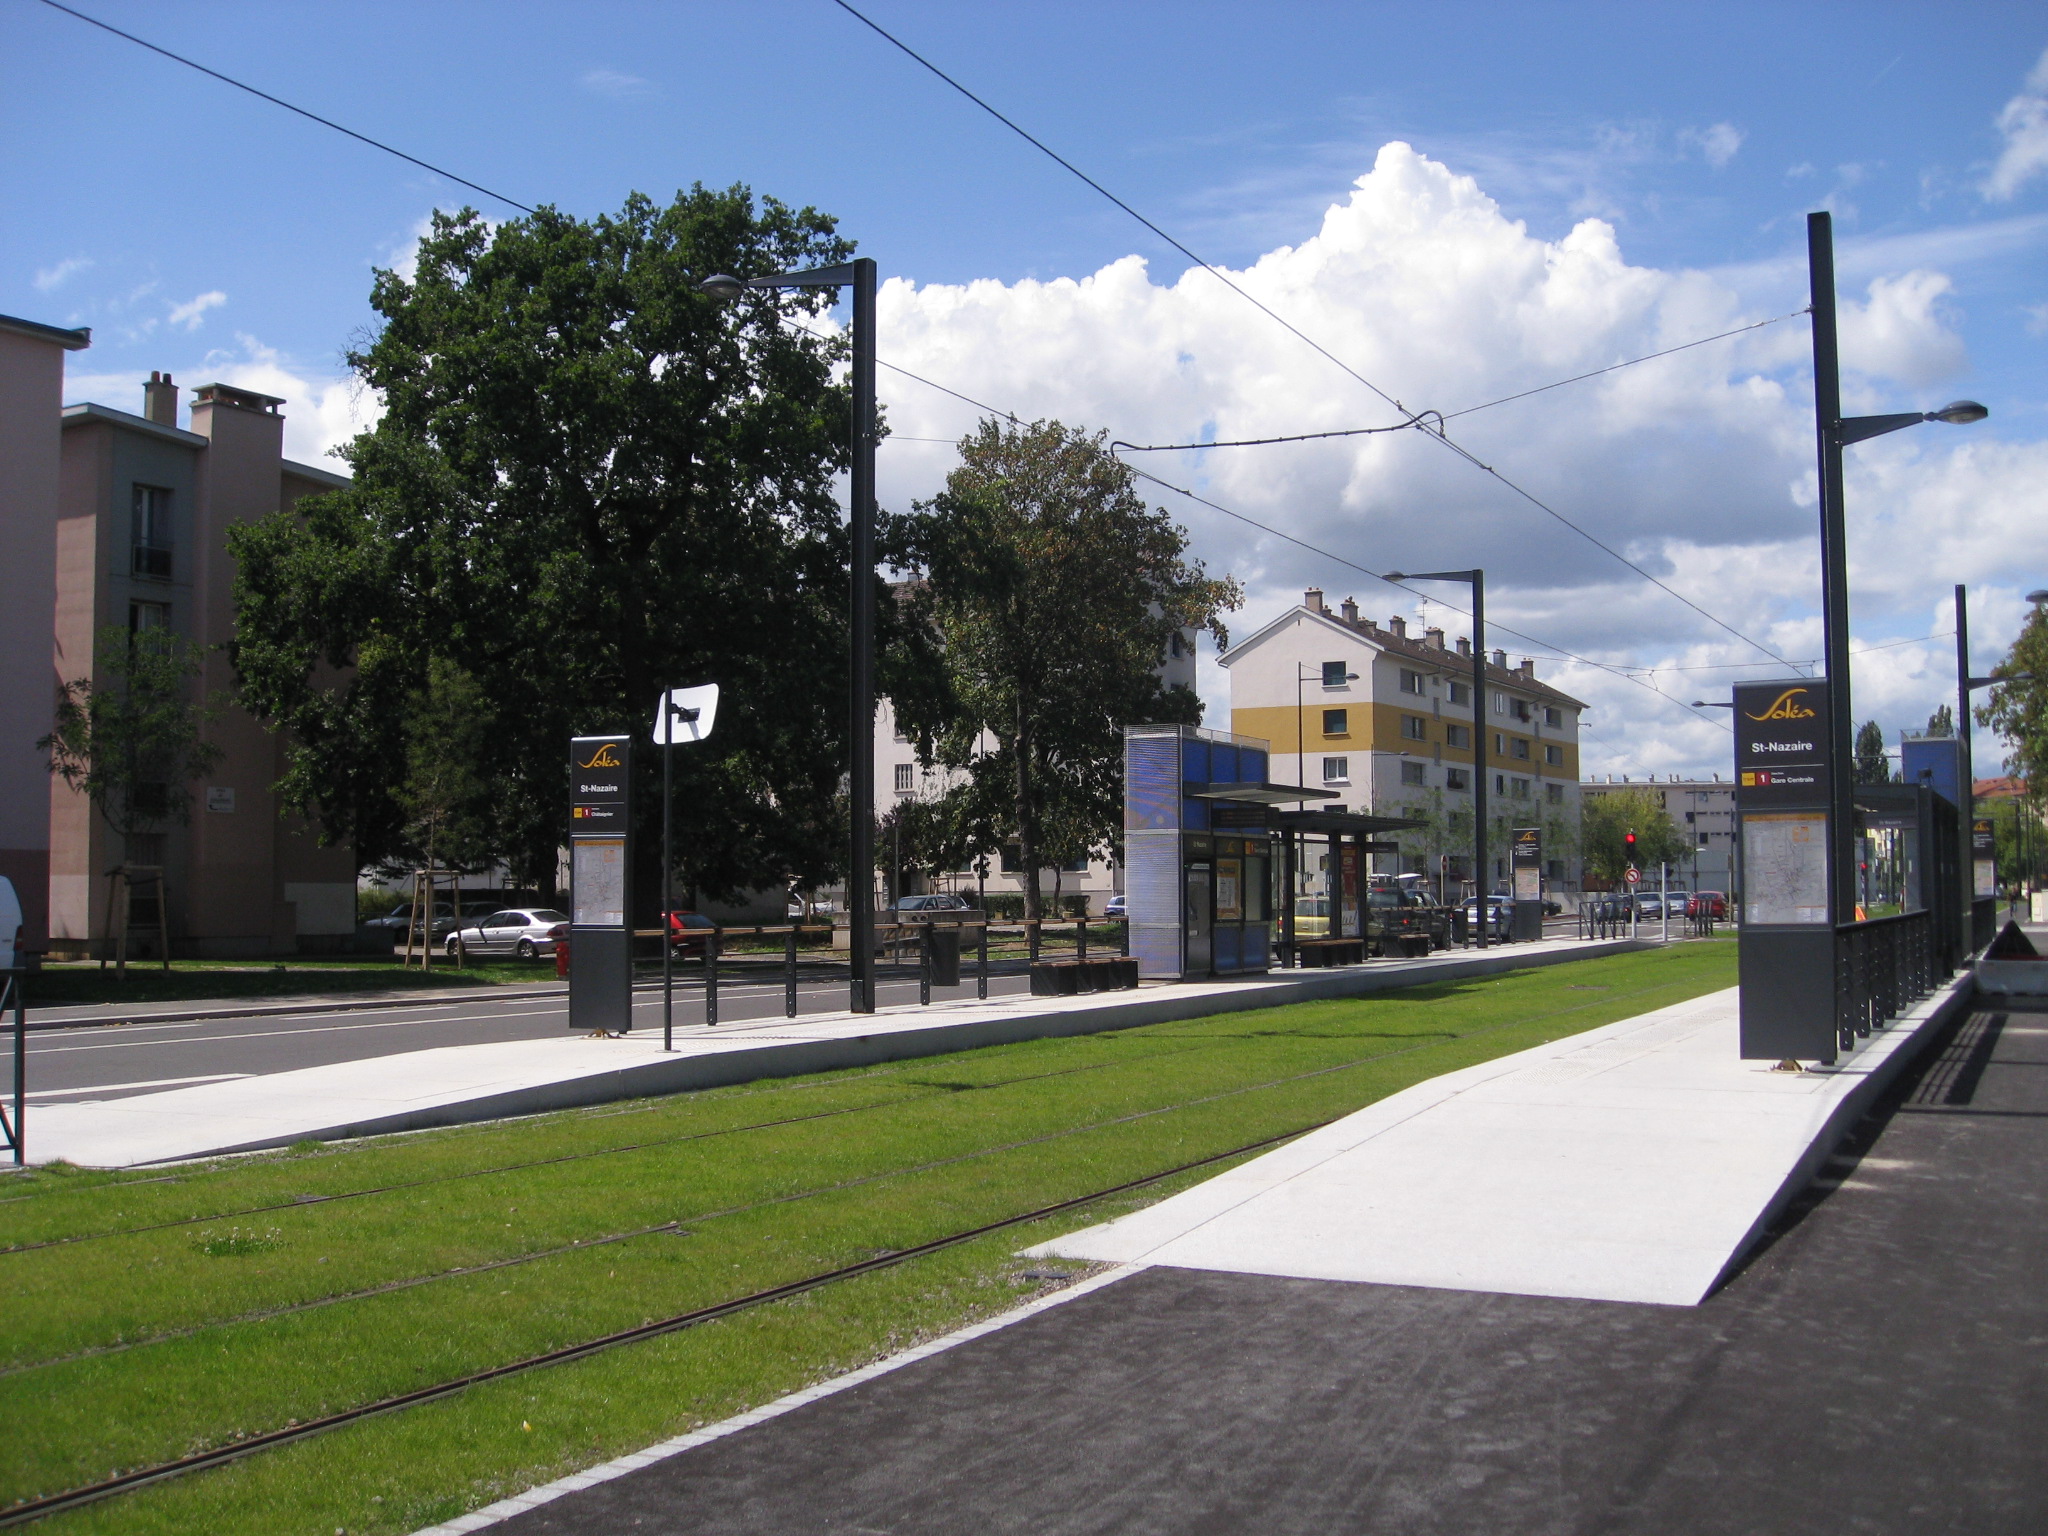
[[927, 1032]]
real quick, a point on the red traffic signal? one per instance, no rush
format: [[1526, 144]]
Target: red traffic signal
[[1630, 840]]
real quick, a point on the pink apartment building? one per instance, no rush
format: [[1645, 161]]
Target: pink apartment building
[[111, 519]]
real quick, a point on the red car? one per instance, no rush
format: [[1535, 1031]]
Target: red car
[[689, 934], [1711, 903]]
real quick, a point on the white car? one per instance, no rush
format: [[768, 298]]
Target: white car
[[521, 931], [10, 926]]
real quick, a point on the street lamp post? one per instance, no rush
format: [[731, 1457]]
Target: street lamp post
[[1835, 432], [859, 275], [1481, 911]]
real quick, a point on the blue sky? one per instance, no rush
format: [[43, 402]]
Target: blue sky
[[197, 229]]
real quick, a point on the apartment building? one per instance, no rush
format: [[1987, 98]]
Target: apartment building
[[140, 535], [1385, 718], [899, 777], [31, 395], [1704, 810]]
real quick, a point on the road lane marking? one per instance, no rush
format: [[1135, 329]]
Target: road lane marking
[[155, 1082]]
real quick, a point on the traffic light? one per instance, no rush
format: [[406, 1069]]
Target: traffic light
[[1629, 844]]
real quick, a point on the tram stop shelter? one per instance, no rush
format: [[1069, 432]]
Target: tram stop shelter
[[1209, 854]]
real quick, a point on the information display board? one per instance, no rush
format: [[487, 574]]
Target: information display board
[[1525, 862], [597, 882], [1781, 744], [1983, 858], [600, 884], [1785, 868]]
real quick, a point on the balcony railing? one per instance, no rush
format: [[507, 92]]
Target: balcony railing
[[153, 560]]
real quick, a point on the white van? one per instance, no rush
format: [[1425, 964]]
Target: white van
[[10, 926]]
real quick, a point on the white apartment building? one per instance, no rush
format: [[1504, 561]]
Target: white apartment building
[[1386, 717]]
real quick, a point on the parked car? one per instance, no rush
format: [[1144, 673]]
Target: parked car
[[689, 934], [10, 926], [1311, 917], [446, 918], [1400, 918], [1116, 907], [1500, 916], [1713, 904], [523, 931], [909, 907]]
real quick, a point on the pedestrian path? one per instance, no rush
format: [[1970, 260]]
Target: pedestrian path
[[1635, 1162], [459, 1084]]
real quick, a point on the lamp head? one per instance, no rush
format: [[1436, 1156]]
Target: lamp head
[[2040, 595], [722, 287], [1395, 576], [1959, 413]]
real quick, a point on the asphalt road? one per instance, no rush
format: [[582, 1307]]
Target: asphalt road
[[1877, 1368], [110, 1061]]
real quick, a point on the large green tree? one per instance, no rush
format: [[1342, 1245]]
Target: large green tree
[[589, 481], [1048, 593], [2018, 709], [1872, 766]]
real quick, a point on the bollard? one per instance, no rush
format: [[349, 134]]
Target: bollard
[[1081, 938], [789, 975], [711, 977], [924, 966], [981, 966]]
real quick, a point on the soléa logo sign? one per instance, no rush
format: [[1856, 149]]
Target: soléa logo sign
[[1781, 743]]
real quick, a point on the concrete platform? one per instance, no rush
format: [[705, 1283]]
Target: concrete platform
[[1636, 1162], [460, 1084]]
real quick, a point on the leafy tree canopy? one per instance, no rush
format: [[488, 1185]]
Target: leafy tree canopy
[[1872, 766], [2018, 710], [1608, 816], [589, 481], [1047, 595]]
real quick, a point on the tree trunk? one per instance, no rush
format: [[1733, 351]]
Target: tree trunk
[[1027, 821]]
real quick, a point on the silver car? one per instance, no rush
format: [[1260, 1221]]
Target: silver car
[[521, 931]]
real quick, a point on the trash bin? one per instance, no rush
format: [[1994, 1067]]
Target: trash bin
[[942, 946], [1461, 926]]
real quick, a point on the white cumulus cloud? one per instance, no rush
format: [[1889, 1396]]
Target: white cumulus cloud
[[1717, 144], [2024, 126], [193, 311], [1697, 466]]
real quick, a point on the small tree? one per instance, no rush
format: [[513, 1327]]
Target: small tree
[[1609, 816], [2018, 710], [446, 794], [1942, 722], [133, 742], [1048, 594], [1872, 767]]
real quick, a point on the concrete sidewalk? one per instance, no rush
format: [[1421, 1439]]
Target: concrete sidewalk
[[460, 1084], [1636, 1162]]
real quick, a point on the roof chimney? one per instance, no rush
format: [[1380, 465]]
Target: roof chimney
[[1464, 645], [1349, 608], [1370, 626], [1312, 600], [1398, 627], [1433, 637], [160, 400], [1500, 659], [1528, 667]]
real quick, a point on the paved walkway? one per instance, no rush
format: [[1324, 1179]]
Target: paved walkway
[[463, 1083], [1635, 1162], [1876, 1368]]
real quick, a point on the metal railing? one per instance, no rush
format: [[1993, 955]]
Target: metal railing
[[1882, 966], [728, 957]]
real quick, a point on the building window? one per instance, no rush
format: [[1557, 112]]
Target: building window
[[1519, 708], [1414, 728], [1411, 773], [1500, 784], [1458, 736], [1554, 793], [1500, 703], [1552, 715], [1519, 748], [1461, 693], [1411, 681], [1554, 755], [1336, 770], [1556, 868], [1500, 745], [1334, 675], [147, 616], [1518, 788], [905, 781], [1336, 722], [1174, 644], [150, 532], [1457, 778]]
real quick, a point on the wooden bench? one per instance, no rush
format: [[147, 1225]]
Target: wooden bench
[[1097, 973], [1325, 952]]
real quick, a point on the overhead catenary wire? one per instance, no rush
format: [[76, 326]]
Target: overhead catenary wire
[[279, 101], [1414, 419]]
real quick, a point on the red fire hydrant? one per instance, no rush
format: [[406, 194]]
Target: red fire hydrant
[[562, 956]]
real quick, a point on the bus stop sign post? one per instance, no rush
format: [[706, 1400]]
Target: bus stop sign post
[[600, 887]]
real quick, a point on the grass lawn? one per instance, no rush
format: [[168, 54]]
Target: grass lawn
[[169, 1313], [75, 982]]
